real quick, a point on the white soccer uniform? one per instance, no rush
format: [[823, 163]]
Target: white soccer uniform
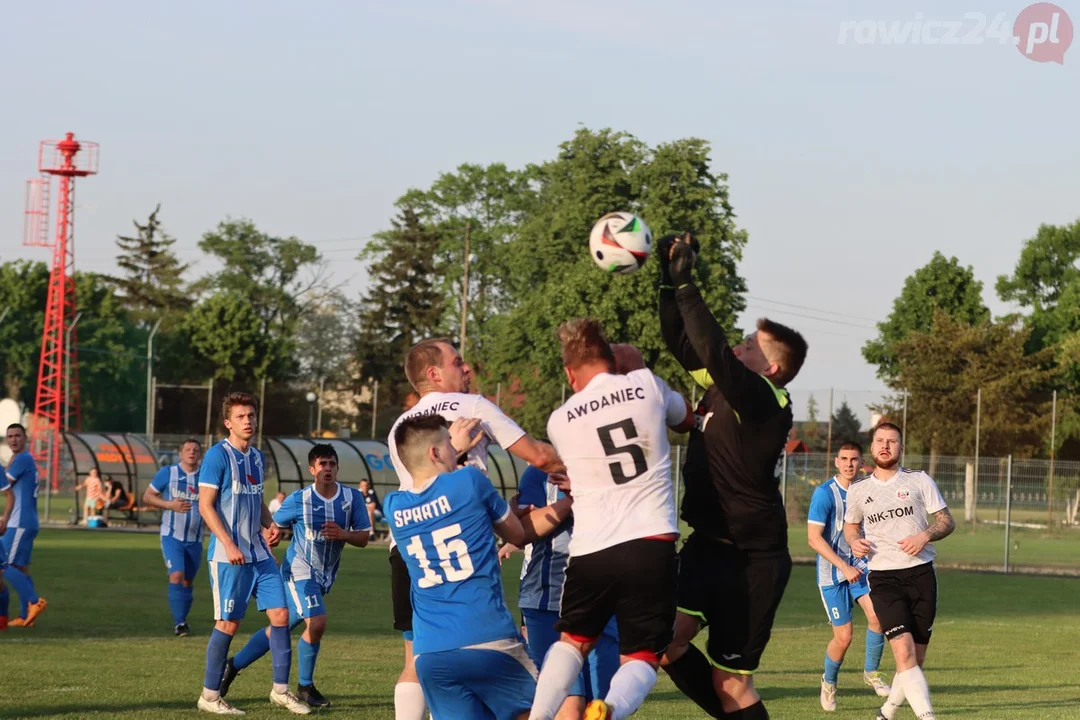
[[494, 424], [891, 511], [612, 436]]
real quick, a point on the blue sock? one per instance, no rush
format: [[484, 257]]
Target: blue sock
[[875, 643], [256, 647], [280, 654], [306, 661], [5, 599], [188, 599], [23, 585], [176, 603], [832, 669], [217, 652]]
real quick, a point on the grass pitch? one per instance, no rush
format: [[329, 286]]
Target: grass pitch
[[1005, 647]]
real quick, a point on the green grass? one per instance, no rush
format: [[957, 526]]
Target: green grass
[[1005, 647]]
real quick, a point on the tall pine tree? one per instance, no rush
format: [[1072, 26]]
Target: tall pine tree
[[403, 304], [845, 426], [152, 285]]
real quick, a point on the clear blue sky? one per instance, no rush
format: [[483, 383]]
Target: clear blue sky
[[849, 164]]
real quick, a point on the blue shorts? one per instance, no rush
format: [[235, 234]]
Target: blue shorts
[[305, 597], [494, 681], [16, 546], [603, 661], [840, 598], [233, 586], [185, 557]]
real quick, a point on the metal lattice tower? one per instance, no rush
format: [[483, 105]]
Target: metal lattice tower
[[56, 405]]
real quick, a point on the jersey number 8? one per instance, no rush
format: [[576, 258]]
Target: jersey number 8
[[445, 550], [610, 448]]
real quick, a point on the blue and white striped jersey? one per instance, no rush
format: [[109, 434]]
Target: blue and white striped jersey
[[238, 478], [544, 568], [827, 506], [21, 476], [172, 482], [310, 555]]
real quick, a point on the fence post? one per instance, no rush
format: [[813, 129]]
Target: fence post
[[1008, 508], [1053, 441], [975, 481], [375, 404], [678, 473], [903, 429], [498, 396]]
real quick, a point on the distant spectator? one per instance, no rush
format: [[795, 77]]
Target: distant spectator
[[94, 493], [116, 496], [410, 400], [275, 504], [371, 499]]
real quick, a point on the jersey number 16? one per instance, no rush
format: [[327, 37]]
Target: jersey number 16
[[618, 474]]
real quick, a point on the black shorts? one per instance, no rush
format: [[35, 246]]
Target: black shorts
[[735, 592], [905, 601], [400, 587], [634, 581]]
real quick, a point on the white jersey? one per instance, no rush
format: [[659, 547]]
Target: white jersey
[[891, 511], [494, 423], [612, 436]]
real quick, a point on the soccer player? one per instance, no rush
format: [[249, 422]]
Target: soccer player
[[735, 565], [175, 489], [18, 528], [886, 522], [443, 379], [542, 573], [323, 517], [240, 563], [469, 656], [612, 435], [841, 577]]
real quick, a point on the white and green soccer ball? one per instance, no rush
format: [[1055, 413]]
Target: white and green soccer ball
[[620, 243]]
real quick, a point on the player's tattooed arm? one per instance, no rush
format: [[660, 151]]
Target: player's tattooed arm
[[942, 526]]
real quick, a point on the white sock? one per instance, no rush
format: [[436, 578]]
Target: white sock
[[895, 699], [210, 695], [409, 703], [561, 668], [278, 688], [629, 687], [917, 692]]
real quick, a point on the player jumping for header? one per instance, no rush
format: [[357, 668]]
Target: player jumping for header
[[735, 565], [612, 435]]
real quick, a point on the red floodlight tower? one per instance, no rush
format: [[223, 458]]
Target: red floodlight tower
[[57, 399]]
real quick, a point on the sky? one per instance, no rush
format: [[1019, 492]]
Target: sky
[[850, 159]]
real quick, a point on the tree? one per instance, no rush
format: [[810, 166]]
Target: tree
[[226, 331], [152, 286], [1047, 266], [272, 273], [845, 426], [945, 366], [403, 304], [326, 338], [551, 277], [23, 289], [942, 284]]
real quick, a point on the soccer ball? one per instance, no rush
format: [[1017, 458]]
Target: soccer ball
[[620, 242]]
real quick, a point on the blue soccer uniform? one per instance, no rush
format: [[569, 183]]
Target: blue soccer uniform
[[238, 478], [17, 544], [542, 574], [181, 537], [469, 655], [838, 595], [311, 562], [21, 477]]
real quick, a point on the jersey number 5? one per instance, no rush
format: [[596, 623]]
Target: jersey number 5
[[610, 448], [445, 550]]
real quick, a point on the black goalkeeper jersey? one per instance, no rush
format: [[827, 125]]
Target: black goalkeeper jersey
[[743, 421]]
